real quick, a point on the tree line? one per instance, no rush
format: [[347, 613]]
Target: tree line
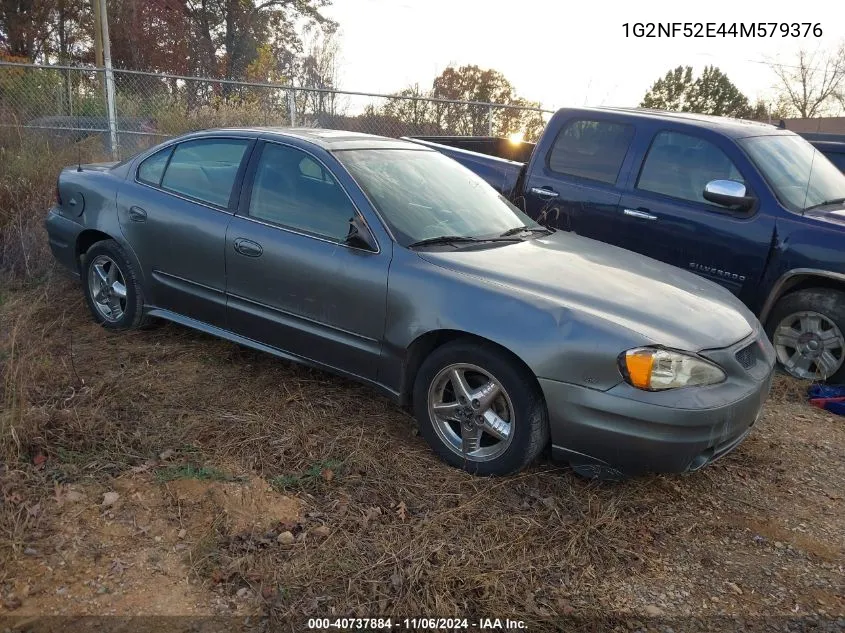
[[810, 85], [294, 43]]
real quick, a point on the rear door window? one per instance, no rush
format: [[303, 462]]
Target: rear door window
[[680, 165], [205, 169], [591, 149]]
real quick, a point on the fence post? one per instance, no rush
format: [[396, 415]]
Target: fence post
[[110, 97], [292, 107], [489, 120]]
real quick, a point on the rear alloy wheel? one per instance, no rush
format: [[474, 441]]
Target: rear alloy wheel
[[806, 329], [479, 409], [112, 290], [107, 286]]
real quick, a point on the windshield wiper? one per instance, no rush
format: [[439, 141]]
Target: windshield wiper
[[826, 203], [458, 239], [524, 229], [443, 239]]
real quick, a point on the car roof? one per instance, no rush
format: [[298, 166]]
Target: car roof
[[331, 140], [735, 128]]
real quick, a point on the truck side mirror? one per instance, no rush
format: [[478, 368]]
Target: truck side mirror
[[359, 235], [728, 193]]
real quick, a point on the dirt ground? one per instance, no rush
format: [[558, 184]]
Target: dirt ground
[[167, 473]]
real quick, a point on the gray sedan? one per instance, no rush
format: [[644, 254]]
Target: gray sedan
[[392, 264]]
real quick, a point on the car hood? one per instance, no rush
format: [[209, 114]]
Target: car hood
[[667, 305]]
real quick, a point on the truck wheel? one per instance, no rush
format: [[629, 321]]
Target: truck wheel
[[112, 290], [479, 410], [806, 329]]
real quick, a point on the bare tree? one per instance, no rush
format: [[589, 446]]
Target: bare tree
[[812, 84], [319, 67]]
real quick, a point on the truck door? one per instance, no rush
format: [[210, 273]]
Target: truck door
[[666, 214], [575, 185]]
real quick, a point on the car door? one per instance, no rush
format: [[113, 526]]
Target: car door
[[293, 281], [666, 213], [173, 211], [576, 185]]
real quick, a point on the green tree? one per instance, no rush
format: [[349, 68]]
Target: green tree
[[464, 83], [670, 92], [712, 92]]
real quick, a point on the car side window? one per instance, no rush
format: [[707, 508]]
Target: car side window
[[205, 169], [293, 190], [152, 169], [680, 165], [591, 149]]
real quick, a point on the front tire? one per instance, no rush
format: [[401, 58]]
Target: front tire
[[807, 329], [112, 289], [479, 410]]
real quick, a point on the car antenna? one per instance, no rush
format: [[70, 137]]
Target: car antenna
[[78, 146]]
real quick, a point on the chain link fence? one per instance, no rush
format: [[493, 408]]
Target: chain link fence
[[66, 104]]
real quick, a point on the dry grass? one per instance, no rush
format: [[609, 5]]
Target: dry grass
[[29, 166], [406, 534]]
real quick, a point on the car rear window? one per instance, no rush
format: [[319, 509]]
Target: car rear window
[[591, 149], [205, 169], [152, 169]]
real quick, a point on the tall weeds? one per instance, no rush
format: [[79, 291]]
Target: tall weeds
[[29, 166]]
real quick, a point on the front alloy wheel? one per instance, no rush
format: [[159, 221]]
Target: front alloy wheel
[[471, 412], [809, 345], [480, 408]]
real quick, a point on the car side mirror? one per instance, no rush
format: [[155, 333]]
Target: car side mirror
[[729, 193], [359, 235]]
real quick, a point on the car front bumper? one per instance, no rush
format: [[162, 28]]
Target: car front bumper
[[628, 431]]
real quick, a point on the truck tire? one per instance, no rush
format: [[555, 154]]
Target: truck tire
[[807, 329], [479, 410]]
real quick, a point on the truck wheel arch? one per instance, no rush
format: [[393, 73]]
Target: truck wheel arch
[[800, 279]]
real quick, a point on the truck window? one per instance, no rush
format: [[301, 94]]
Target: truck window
[[591, 149], [680, 165]]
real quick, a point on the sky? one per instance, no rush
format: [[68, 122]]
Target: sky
[[567, 53]]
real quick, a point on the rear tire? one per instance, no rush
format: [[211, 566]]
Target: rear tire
[[479, 410], [807, 329], [112, 289]]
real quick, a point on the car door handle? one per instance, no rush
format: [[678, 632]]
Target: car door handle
[[137, 214], [248, 247], [639, 213], [544, 192]]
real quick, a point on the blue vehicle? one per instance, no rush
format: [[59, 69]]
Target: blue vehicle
[[750, 206]]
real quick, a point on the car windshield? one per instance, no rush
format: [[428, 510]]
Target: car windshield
[[800, 175], [422, 195]]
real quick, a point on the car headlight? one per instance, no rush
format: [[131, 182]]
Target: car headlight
[[655, 369]]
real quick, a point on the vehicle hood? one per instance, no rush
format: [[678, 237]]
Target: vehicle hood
[[665, 304], [834, 216]]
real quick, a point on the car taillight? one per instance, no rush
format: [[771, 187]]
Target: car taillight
[[58, 194]]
